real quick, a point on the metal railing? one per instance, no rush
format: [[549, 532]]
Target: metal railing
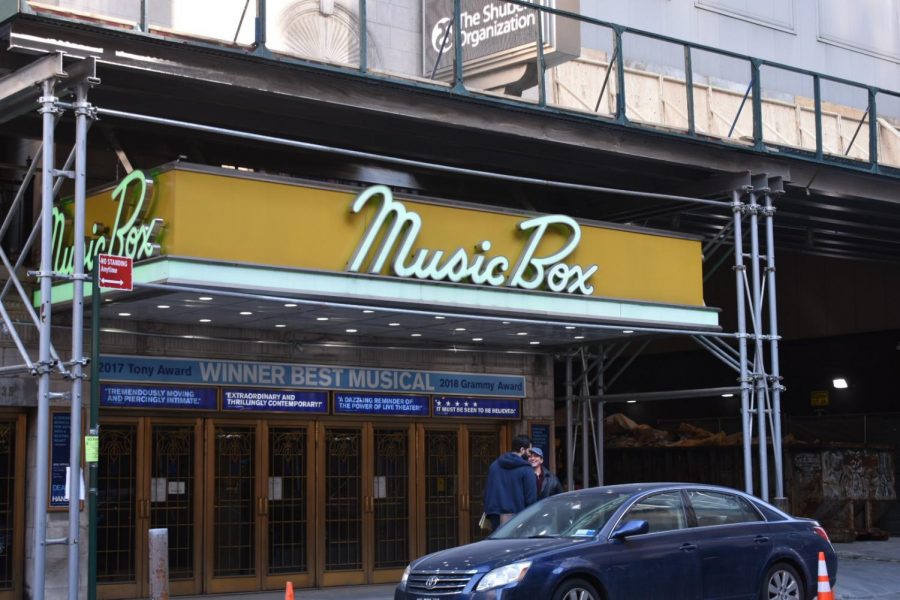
[[847, 135]]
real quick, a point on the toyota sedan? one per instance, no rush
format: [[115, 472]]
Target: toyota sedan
[[629, 542]]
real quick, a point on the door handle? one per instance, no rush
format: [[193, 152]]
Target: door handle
[[688, 547], [264, 505], [760, 539]]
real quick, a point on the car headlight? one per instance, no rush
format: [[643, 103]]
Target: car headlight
[[404, 577], [504, 576]]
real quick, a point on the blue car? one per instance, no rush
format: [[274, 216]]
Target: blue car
[[633, 542]]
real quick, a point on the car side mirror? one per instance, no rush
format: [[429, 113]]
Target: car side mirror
[[629, 528]]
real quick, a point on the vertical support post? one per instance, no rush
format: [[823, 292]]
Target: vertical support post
[[758, 362], [689, 89], [143, 17], [773, 351], [817, 106], [601, 368], [159, 564], [363, 37], [621, 117], [260, 23], [542, 87], [757, 104], [570, 439], [48, 111], [82, 110], [457, 47], [873, 129], [584, 404], [739, 268], [94, 424]]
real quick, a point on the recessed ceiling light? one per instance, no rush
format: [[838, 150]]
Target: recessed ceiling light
[[321, 318], [205, 298], [163, 306], [439, 317], [290, 305], [124, 314], [628, 331], [368, 312], [246, 312], [206, 320], [107, 299], [727, 395], [393, 324], [460, 329], [839, 383], [631, 401], [534, 343], [579, 337], [477, 339], [504, 322], [351, 331], [522, 333], [415, 335], [570, 327], [280, 325]]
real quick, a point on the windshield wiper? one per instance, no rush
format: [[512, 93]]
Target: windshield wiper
[[543, 535]]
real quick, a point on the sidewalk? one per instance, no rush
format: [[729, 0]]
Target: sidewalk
[[866, 571]]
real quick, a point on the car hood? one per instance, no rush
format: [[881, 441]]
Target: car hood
[[489, 554]]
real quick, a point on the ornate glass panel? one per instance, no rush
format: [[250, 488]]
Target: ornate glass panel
[[172, 486], [343, 495], [116, 504], [391, 498], [483, 447], [441, 485], [287, 500], [7, 501], [234, 520]]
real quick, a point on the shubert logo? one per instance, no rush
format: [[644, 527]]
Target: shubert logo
[[495, 19], [396, 229]]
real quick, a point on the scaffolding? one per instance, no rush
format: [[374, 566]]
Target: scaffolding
[[590, 372]]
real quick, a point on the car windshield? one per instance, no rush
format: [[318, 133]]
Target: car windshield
[[567, 515]]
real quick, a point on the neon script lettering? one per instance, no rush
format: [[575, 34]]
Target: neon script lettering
[[131, 234], [397, 229]]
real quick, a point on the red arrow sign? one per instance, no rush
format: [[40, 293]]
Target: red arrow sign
[[116, 272]]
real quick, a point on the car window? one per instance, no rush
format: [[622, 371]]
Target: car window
[[718, 508], [576, 514], [663, 512]]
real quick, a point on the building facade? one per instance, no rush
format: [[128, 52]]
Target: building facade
[[369, 247]]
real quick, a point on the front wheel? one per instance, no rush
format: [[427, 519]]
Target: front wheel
[[576, 589], [782, 583]]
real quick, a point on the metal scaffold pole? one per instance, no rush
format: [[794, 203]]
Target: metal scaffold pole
[[48, 110], [773, 351], [82, 113], [746, 422], [760, 391]]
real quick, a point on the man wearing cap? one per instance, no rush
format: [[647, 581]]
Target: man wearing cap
[[547, 483]]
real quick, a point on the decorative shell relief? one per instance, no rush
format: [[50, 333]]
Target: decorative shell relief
[[309, 33]]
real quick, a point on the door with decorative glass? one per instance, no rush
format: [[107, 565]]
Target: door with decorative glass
[[365, 501], [148, 479], [451, 474], [12, 505], [257, 523]]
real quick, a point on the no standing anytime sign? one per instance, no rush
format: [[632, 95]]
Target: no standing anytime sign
[[115, 272]]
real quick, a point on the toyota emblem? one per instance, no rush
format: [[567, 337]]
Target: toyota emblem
[[431, 582]]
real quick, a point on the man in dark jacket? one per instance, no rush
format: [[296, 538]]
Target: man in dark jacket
[[547, 483], [510, 483]]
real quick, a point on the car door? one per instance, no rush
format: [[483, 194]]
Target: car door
[[733, 543], [662, 563]]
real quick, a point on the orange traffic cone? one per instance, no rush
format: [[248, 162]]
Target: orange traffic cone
[[825, 592], [289, 591]]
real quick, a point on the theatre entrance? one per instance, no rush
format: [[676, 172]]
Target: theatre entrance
[[250, 504]]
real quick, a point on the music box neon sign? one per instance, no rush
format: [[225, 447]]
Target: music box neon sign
[[133, 234], [398, 229]]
